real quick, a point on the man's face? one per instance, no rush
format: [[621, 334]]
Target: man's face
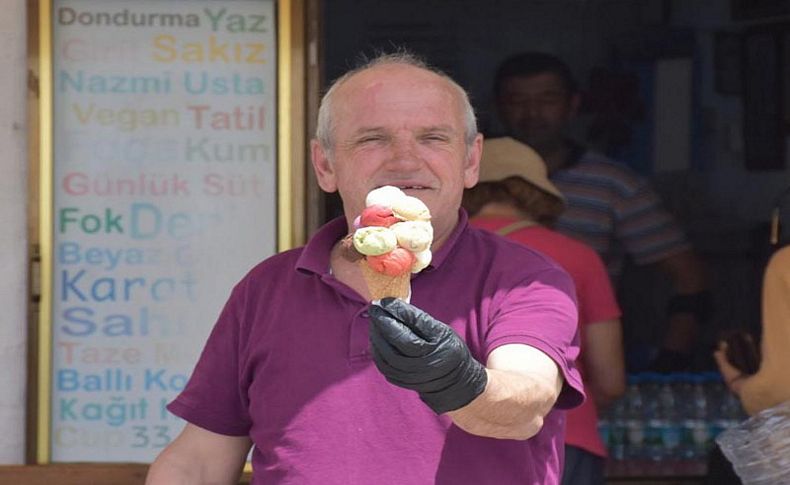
[[402, 126], [536, 109]]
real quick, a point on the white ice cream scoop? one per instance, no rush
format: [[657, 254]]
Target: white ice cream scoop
[[422, 260], [386, 196]]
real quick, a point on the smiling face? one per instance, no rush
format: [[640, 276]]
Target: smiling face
[[536, 109], [395, 124]]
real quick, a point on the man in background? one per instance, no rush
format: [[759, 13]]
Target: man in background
[[609, 206]]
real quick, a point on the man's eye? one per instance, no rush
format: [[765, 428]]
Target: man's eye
[[370, 139], [517, 100], [435, 138], [551, 98]]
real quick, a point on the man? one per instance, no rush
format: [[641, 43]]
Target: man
[[290, 367], [609, 207], [516, 199]]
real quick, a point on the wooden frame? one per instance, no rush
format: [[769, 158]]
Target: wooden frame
[[82, 473]]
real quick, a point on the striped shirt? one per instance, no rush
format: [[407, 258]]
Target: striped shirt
[[615, 211]]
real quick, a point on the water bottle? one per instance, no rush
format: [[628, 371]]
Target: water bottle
[[726, 412], [716, 393], [634, 419], [696, 425], [605, 428], [730, 411], [616, 422], [701, 437], [669, 418], [683, 392], [652, 416], [715, 390]]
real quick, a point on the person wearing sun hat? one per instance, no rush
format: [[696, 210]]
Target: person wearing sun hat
[[516, 199]]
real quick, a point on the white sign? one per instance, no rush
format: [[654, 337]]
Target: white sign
[[164, 196]]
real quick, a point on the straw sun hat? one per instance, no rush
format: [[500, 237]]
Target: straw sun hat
[[505, 157]]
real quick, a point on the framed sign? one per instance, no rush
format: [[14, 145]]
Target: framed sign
[[164, 178]]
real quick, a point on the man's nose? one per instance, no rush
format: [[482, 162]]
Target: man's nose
[[530, 110], [404, 155]]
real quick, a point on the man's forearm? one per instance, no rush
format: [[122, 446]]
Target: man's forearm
[[169, 469], [200, 457], [507, 398], [512, 406], [165, 471], [690, 302], [682, 333], [686, 271]]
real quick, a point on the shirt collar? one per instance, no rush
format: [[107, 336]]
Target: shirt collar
[[315, 255], [449, 244], [576, 152]]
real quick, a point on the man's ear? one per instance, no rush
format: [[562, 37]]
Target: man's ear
[[322, 165], [472, 164]]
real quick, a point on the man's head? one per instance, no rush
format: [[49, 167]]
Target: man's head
[[513, 174], [395, 121], [536, 97]]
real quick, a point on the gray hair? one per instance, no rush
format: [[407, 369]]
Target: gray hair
[[324, 127]]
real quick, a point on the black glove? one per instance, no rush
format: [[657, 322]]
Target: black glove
[[415, 351]]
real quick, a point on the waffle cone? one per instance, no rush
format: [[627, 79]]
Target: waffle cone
[[381, 285]]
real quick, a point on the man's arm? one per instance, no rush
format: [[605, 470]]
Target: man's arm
[[604, 364], [688, 279], [507, 399], [200, 457], [523, 385]]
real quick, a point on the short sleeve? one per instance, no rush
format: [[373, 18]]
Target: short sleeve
[[541, 312], [213, 398], [647, 231], [594, 292]]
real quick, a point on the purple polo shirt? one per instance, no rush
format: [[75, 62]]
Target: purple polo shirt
[[288, 363]]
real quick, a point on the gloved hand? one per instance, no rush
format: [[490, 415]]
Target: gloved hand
[[415, 351]]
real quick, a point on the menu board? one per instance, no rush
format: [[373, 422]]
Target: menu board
[[164, 180]]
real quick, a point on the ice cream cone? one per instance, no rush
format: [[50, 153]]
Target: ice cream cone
[[381, 285]]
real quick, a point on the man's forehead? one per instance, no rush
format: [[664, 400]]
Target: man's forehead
[[534, 83], [426, 128], [393, 77], [402, 91]]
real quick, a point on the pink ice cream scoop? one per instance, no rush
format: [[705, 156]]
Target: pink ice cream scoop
[[394, 263], [377, 215]]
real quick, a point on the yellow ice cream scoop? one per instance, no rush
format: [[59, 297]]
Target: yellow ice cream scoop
[[374, 240], [410, 208], [416, 236]]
